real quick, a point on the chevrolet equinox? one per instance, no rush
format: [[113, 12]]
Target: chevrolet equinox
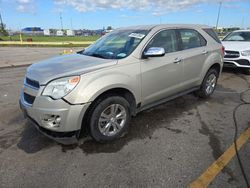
[[98, 89]]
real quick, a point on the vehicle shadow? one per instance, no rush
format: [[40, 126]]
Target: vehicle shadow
[[143, 125], [32, 140], [236, 71]]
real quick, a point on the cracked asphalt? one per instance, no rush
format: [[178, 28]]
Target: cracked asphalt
[[167, 146]]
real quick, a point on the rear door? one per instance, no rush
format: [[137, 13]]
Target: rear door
[[194, 54], [161, 76]]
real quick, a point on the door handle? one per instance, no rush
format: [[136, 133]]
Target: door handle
[[177, 60], [204, 52]]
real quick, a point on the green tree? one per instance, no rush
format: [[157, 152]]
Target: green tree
[[109, 28], [3, 30], [2, 27]]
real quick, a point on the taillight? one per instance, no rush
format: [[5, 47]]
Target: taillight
[[222, 51]]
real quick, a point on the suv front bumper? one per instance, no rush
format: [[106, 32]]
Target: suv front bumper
[[55, 118], [237, 62]]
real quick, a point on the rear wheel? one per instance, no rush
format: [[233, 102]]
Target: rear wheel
[[208, 85], [110, 119]]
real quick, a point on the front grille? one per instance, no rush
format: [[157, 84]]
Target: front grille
[[28, 98], [231, 54], [242, 62], [32, 83]]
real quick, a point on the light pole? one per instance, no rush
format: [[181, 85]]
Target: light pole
[[218, 17], [71, 24], [61, 20]]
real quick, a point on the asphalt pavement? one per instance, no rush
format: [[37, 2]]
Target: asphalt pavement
[[23, 56], [170, 145]]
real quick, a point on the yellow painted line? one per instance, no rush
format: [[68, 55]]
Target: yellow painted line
[[208, 175]]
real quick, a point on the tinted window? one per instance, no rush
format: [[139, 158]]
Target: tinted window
[[165, 39], [191, 39], [203, 40], [212, 34]]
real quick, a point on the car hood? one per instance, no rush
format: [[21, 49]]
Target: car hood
[[66, 65], [236, 46]]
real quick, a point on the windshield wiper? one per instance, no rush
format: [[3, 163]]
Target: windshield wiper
[[98, 55], [80, 52]]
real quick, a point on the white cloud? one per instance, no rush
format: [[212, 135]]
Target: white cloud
[[25, 6], [157, 7], [130, 16], [23, 1]]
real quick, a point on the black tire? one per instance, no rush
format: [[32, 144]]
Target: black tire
[[247, 71], [95, 115], [202, 93]]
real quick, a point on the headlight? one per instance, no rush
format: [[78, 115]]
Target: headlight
[[61, 87], [245, 53]]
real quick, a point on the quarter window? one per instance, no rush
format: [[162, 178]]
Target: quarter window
[[191, 39], [212, 34], [165, 39]]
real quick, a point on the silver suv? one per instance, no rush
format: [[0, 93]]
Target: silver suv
[[126, 71]]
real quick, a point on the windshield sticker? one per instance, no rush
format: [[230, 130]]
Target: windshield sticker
[[137, 35], [121, 55]]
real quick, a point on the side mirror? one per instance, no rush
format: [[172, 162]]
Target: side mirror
[[154, 52]]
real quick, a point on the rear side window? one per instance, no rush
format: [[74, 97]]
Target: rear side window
[[165, 39], [190, 38], [212, 34]]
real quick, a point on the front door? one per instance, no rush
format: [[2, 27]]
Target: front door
[[162, 76]]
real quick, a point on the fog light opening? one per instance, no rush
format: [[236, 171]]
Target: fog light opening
[[50, 120], [58, 119]]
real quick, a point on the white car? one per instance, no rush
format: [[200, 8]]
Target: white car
[[237, 50]]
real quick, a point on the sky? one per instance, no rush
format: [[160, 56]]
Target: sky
[[96, 14]]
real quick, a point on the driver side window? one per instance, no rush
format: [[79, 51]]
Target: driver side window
[[165, 39]]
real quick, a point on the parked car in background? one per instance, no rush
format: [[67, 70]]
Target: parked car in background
[[124, 72], [237, 50]]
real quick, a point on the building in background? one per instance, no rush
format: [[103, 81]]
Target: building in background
[[59, 33], [70, 32], [46, 32], [78, 32], [35, 31]]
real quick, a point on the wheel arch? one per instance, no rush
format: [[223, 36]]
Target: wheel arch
[[217, 67], [118, 91]]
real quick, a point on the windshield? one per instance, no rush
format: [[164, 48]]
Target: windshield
[[238, 36], [116, 45]]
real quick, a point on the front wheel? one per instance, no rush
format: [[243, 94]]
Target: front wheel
[[110, 119], [208, 85]]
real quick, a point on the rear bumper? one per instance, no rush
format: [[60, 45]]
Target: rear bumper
[[68, 129]]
